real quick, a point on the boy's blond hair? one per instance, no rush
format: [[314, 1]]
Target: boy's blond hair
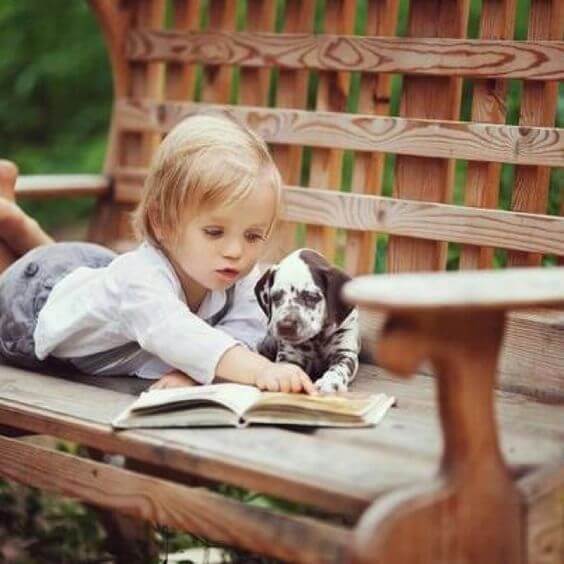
[[205, 161]]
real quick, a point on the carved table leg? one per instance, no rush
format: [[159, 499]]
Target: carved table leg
[[472, 512]]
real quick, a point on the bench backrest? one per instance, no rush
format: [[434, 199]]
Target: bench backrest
[[317, 84]]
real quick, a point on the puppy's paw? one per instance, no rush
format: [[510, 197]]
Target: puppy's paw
[[330, 383]]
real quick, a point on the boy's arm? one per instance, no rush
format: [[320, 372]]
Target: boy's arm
[[152, 314], [241, 365]]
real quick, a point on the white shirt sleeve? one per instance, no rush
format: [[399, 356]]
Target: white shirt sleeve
[[245, 321], [152, 314]]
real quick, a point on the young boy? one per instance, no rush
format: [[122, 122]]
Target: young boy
[[182, 303]]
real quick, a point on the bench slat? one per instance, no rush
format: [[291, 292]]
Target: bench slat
[[331, 469], [497, 21], [424, 220], [539, 101], [290, 465], [59, 185], [364, 132], [194, 510], [539, 60]]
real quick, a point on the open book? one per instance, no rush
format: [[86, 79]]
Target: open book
[[238, 405]]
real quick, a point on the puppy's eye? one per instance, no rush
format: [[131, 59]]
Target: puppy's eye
[[310, 298], [277, 296]]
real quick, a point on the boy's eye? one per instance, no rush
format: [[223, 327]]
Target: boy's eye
[[213, 232], [255, 237]]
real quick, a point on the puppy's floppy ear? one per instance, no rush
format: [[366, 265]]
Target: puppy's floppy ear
[[262, 290], [337, 309]]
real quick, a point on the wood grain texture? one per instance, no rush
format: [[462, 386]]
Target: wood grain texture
[[194, 510], [497, 21], [217, 76], [180, 80], [543, 492], [539, 60], [421, 137], [291, 92], [472, 511], [270, 460], [332, 94], [533, 354], [39, 186], [493, 289], [429, 179], [538, 107], [368, 171], [254, 83], [426, 221], [111, 223]]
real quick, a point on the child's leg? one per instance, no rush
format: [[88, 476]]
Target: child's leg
[[19, 233]]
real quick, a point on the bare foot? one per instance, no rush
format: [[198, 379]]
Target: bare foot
[[8, 176], [19, 233]]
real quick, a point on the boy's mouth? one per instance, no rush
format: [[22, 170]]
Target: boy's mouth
[[228, 273]]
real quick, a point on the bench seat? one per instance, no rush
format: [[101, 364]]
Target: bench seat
[[334, 470]]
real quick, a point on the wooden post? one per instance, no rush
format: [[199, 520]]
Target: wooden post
[[472, 512]]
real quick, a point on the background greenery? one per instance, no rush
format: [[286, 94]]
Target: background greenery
[[55, 86]]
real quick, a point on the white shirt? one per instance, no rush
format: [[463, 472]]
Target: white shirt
[[138, 297]]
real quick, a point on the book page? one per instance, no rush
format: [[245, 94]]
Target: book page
[[334, 412], [346, 403], [216, 416], [235, 397]]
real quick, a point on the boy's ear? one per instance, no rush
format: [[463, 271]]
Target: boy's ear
[[262, 290], [337, 309]]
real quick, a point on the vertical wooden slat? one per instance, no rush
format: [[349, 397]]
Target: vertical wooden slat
[[216, 79], [421, 178], [181, 78], [538, 107], [488, 105], [145, 82], [374, 98], [332, 94], [255, 82], [137, 80], [291, 92]]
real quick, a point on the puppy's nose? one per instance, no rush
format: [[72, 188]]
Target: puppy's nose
[[287, 327]]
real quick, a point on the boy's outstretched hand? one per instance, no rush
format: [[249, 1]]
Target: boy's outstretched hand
[[174, 379], [285, 377]]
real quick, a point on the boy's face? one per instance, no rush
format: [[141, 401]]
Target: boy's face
[[217, 247]]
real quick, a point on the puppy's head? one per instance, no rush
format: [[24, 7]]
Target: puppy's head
[[301, 296]]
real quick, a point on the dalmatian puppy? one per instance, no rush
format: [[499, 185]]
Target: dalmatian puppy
[[308, 324]]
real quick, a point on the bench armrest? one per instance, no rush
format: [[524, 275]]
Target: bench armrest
[[59, 185], [470, 290], [456, 321]]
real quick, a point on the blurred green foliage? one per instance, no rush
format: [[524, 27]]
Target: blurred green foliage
[[55, 100]]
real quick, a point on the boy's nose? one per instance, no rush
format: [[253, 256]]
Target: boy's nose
[[233, 248]]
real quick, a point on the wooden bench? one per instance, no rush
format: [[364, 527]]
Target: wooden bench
[[429, 483]]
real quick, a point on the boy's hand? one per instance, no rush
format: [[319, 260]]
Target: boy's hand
[[284, 377], [174, 379]]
